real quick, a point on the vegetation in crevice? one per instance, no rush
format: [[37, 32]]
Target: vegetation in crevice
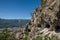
[[43, 2], [26, 34]]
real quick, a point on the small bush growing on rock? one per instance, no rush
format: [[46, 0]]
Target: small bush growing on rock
[[43, 2], [38, 38], [25, 38], [45, 38]]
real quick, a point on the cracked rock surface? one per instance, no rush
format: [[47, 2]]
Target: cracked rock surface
[[45, 20]]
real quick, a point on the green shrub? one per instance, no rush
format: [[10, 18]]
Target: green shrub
[[26, 33], [25, 38], [53, 37], [45, 38], [6, 35], [43, 2], [38, 38]]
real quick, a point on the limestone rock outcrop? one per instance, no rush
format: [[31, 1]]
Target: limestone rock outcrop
[[45, 18]]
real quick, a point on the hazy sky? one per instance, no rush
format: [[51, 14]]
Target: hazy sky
[[17, 9]]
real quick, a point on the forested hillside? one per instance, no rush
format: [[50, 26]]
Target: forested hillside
[[13, 22]]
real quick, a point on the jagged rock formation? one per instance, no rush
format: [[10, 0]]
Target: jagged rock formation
[[45, 19]]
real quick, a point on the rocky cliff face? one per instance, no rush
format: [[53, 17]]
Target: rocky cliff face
[[45, 20]]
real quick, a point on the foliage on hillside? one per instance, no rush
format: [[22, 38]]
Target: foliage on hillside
[[7, 35], [46, 37]]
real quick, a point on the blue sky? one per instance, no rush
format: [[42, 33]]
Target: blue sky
[[17, 9]]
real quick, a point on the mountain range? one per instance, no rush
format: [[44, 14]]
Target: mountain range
[[13, 22]]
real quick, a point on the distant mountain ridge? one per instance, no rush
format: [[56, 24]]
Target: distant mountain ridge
[[13, 22]]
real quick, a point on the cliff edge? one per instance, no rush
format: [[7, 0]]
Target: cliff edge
[[45, 21]]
